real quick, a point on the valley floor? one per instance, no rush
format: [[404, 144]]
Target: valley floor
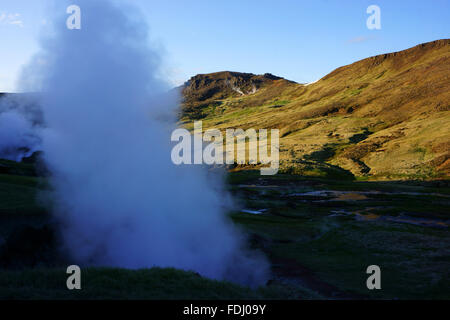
[[323, 234], [319, 235]]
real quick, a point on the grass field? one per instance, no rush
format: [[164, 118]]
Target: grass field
[[320, 235]]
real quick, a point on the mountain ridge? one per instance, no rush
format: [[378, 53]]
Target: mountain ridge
[[382, 117]]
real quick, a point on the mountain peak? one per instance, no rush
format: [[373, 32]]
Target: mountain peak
[[223, 84]]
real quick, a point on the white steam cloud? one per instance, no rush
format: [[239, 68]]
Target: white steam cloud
[[120, 199], [17, 137], [19, 128]]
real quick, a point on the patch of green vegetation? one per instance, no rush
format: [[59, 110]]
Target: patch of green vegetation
[[425, 176], [18, 195], [420, 150], [316, 169], [341, 255], [304, 171], [240, 113], [19, 203], [243, 176], [110, 283], [16, 168], [338, 249], [355, 92], [279, 103]]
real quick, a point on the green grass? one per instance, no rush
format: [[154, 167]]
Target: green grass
[[341, 255], [16, 168], [19, 203], [110, 283], [414, 262], [413, 259], [355, 92], [18, 195]]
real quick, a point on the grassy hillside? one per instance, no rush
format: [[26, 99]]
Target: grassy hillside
[[385, 117]]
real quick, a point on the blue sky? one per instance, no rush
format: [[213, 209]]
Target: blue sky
[[296, 39]]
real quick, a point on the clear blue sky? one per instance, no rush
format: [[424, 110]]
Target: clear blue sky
[[296, 39]]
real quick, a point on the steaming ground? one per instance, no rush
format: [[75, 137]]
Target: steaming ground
[[119, 199]]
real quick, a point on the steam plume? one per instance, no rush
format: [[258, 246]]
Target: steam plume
[[119, 197], [19, 128]]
